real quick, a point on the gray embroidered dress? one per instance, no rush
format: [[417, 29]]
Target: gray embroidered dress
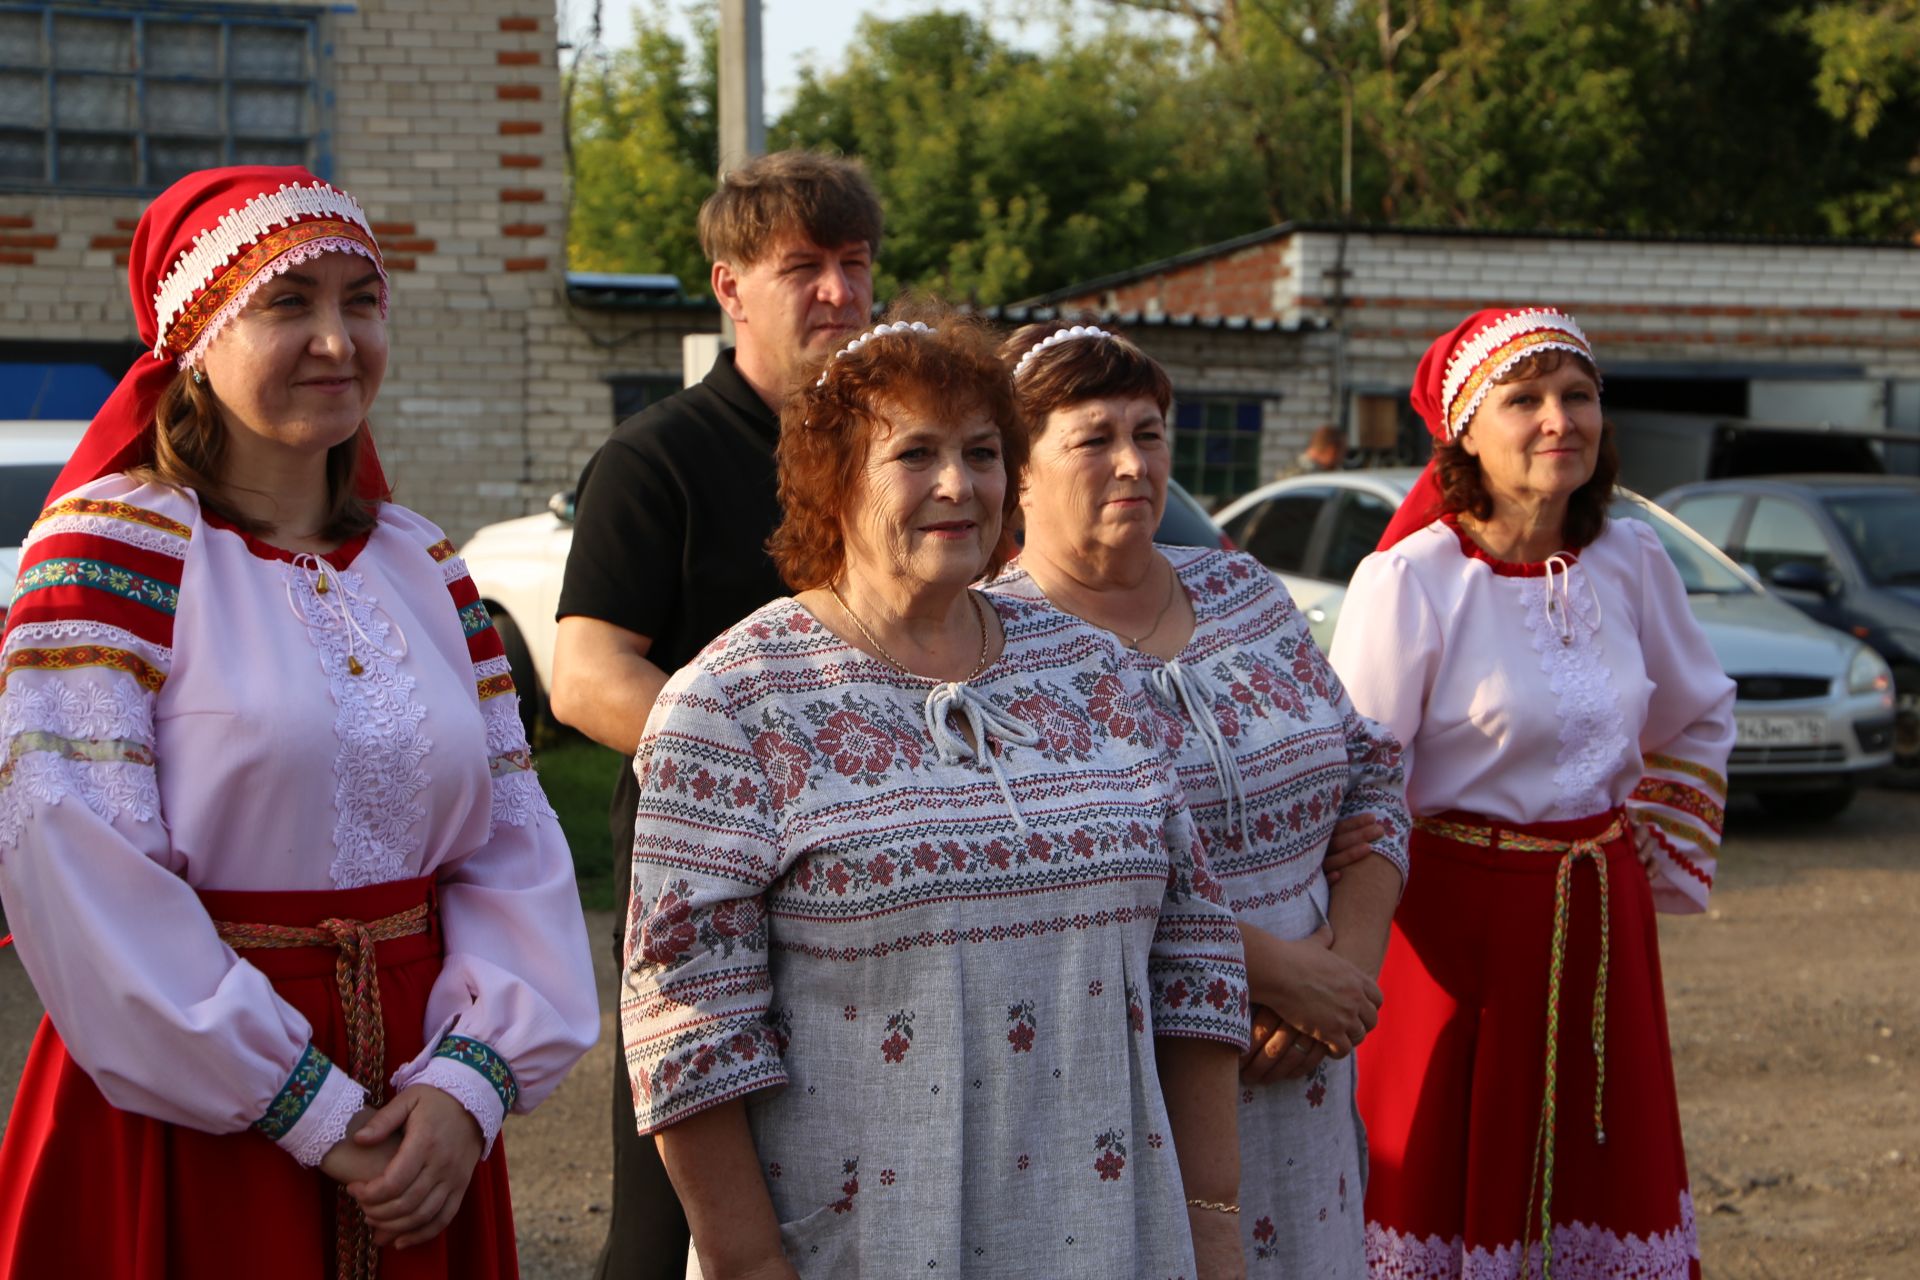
[[1278, 759], [936, 977]]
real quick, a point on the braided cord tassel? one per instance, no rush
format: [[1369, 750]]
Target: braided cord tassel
[[1540, 1186], [356, 974]]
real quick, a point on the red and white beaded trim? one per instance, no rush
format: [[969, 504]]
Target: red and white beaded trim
[[218, 245], [1557, 332], [279, 266]]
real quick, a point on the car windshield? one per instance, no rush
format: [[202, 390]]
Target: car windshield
[[1701, 568], [1185, 523], [23, 491], [1884, 531]]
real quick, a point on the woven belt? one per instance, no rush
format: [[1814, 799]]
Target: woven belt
[[356, 972], [1571, 852]]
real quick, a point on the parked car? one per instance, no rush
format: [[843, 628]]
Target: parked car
[[31, 456], [517, 566], [1814, 708], [1844, 549]]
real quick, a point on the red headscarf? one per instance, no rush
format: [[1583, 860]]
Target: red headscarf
[[1455, 375], [202, 248]]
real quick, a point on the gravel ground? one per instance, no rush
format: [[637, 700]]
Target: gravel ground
[[1794, 1003]]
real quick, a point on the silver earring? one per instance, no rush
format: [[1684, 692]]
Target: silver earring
[[199, 378]]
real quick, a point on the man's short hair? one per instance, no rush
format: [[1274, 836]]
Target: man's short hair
[[826, 198]]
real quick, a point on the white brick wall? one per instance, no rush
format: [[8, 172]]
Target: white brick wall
[[495, 394]]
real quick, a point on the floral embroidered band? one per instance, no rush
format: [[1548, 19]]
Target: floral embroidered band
[[481, 1057], [184, 333], [296, 1095]]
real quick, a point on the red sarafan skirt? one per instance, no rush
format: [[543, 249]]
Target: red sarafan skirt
[[1453, 1080], [89, 1191]]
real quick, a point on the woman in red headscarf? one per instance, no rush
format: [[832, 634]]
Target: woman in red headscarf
[[1566, 729], [278, 866]]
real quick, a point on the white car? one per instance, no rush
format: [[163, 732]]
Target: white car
[[517, 567], [1813, 708], [32, 454]]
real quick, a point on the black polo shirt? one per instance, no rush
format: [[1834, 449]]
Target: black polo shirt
[[669, 535]]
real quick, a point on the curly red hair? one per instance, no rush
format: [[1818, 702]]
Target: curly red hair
[[828, 425]]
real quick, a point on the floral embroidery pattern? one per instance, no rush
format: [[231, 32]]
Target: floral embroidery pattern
[[296, 1095], [850, 1188], [101, 576], [855, 747], [899, 1036], [1020, 1034], [1113, 705], [1113, 1154], [858, 875], [1317, 1086], [709, 1057], [1065, 735], [482, 1058], [1263, 1238], [670, 932]]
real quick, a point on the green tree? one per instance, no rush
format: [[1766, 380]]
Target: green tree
[[643, 126], [1005, 173], [1869, 79]]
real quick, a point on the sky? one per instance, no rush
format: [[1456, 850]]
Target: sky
[[794, 33]]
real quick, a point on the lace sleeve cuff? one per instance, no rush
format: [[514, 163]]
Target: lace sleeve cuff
[[478, 1078], [311, 1111]]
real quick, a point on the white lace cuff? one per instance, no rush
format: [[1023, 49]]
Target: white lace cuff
[[468, 1083], [322, 1118]]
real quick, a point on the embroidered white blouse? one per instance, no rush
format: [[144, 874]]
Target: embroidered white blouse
[[178, 714], [1538, 693]]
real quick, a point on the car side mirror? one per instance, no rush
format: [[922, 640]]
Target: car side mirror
[[561, 504], [1804, 575]]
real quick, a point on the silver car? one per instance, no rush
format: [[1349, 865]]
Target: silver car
[[1814, 707]]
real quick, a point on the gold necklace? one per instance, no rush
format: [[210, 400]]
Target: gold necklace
[[1134, 642], [894, 662]]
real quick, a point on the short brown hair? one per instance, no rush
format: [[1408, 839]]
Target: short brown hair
[[190, 452], [826, 198], [1080, 369], [1463, 489], [827, 427]]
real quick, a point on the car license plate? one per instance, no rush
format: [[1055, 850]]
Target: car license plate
[[1780, 731]]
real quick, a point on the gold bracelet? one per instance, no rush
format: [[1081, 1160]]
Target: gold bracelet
[[1215, 1205]]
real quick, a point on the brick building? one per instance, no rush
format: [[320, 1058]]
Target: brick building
[[441, 116], [1271, 333]]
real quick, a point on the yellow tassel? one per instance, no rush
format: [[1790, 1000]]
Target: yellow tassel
[[320, 586], [353, 665]]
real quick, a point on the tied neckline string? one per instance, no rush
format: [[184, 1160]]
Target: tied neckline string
[[1560, 604], [324, 582], [1182, 689], [952, 698]]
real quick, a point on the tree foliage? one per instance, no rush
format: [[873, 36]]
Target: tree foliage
[[643, 126], [1007, 172]]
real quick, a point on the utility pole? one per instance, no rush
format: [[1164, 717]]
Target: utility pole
[[743, 127]]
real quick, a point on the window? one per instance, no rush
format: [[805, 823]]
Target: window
[[1357, 527], [1781, 533], [1216, 447], [1711, 516], [129, 100], [1281, 528]]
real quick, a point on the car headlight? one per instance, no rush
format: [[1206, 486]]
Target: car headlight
[[1868, 673]]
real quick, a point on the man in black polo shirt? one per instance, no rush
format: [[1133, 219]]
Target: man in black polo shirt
[[669, 539]]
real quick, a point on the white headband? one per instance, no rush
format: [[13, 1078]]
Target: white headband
[[878, 331], [1054, 339]]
